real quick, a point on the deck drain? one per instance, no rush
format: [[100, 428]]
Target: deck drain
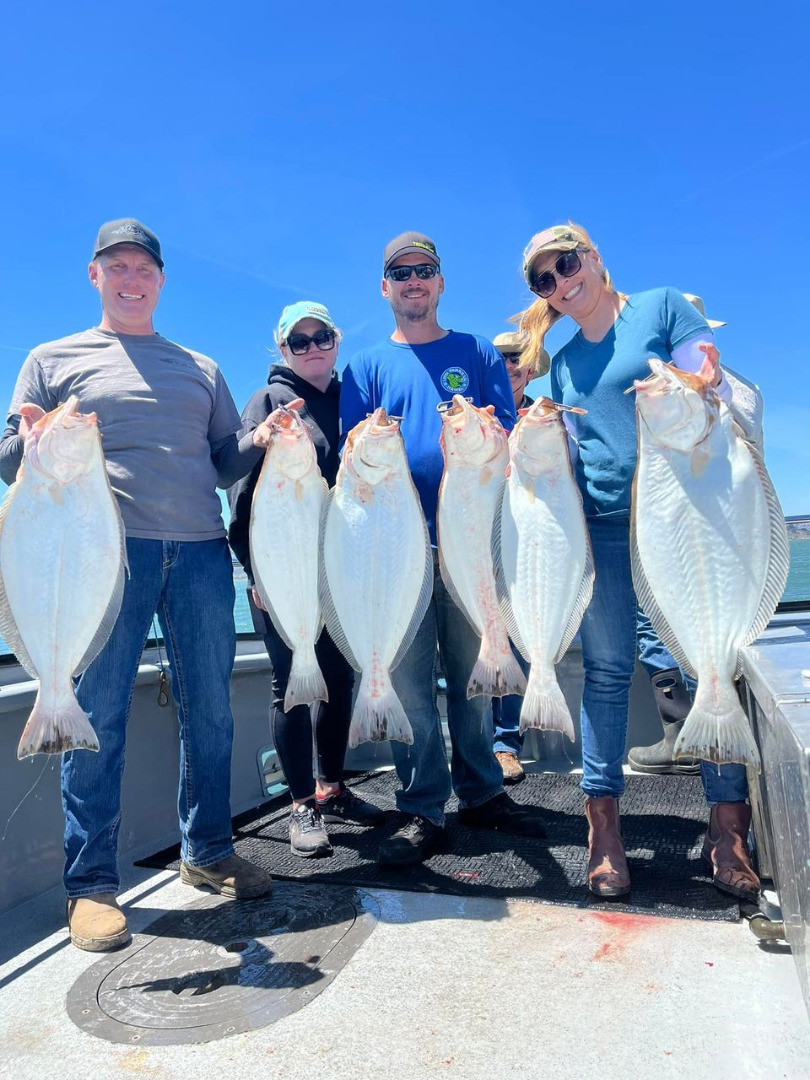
[[218, 968]]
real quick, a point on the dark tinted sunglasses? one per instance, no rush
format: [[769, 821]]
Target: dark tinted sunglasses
[[298, 344], [403, 273], [568, 264], [511, 357]]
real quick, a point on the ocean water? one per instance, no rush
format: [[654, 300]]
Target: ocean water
[[798, 587]]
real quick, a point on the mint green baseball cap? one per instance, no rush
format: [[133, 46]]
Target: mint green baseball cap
[[301, 309]]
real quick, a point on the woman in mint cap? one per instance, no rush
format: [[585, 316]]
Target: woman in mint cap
[[308, 340], [616, 336]]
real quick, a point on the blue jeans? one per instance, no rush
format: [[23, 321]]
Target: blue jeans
[[190, 586], [422, 768], [506, 717], [611, 631]]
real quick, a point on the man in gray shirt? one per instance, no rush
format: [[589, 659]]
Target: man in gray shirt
[[168, 426]]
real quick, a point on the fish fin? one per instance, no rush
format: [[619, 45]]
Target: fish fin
[[422, 604], [778, 556], [50, 731], [114, 607], [379, 718], [330, 616], [448, 583], [720, 733], [8, 624], [648, 603], [544, 706], [580, 604], [501, 587], [496, 679], [306, 683]]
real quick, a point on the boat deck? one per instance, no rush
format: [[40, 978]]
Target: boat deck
[[473, 987]]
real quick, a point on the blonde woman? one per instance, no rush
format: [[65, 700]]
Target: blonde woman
[[616, 334]]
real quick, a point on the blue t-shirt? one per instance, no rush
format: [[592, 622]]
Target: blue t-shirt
[[410, 381], [594, 376]]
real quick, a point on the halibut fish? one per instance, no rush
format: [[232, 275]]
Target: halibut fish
[[285, 518], [709, 548], [543, 558], [377, 571], [475, 451], [62, 567]]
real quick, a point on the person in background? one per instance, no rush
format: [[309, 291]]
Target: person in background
[[616, 335], [672, 690], [508, 741], [308, 340], [168, 425], [409, 374]]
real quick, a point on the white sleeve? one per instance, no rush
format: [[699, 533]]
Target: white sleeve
[[688, 357]]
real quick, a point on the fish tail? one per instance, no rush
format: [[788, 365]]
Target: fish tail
[[545, 707], [496, 677], [55, 727], [378, 718], [718, 730], [306, 683]]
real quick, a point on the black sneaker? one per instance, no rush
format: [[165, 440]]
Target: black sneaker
[[503, 814], [412, 843], [307, 833], [350, 808]]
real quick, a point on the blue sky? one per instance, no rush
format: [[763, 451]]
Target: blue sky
[[275, 152]]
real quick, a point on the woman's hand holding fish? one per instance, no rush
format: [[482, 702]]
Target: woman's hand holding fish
[[29, 414], [263, 433], [713, 356]]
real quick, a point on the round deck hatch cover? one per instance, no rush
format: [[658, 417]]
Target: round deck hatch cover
[[219, 968]]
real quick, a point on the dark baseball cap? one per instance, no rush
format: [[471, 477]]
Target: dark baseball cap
[[128, 231], [409, 243]]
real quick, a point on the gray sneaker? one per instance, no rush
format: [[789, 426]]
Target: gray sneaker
[[307, 832]]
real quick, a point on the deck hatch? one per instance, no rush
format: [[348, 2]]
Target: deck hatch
[[218, 968]]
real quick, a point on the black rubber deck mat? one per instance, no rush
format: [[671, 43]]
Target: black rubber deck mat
[[663, 821]]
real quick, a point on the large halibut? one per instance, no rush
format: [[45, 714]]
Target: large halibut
[[709, 548], [62, 567]]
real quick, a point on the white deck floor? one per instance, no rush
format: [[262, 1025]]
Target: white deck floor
[[445, 986]]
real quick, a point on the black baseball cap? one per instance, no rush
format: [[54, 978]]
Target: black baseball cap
[[128, 231], [409, 243]]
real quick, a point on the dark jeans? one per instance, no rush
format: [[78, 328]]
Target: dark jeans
[[292, 731]]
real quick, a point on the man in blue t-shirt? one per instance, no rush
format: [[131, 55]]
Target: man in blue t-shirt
[[409, 374]]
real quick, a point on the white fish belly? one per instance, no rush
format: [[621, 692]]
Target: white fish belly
[[60, 559], [284, 528], [543, 554], [704, 544], [374, 560], [465, 518]]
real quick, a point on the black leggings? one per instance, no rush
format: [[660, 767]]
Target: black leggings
[[292, 731]]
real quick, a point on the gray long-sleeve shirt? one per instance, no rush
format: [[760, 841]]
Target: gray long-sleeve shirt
[[167, 419]]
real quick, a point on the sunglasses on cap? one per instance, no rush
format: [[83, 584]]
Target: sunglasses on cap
[[422, 270], [568, 264], [299, 344]]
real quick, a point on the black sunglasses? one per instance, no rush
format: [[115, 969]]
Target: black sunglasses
[[511, 357], [568, 264], [298, 344], [403, 273]]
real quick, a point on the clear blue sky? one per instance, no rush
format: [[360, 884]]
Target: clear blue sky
[[276, 151]]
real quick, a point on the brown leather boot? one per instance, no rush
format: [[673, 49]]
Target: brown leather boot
[[608, 875], [97, 923], [725, 850], [233, 877]]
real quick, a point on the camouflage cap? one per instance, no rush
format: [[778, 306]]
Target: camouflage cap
[[557, 238]]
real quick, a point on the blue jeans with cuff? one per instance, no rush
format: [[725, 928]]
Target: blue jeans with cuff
[[190, 586]]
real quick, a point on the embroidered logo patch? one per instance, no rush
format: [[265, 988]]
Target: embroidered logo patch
[[455, 380]]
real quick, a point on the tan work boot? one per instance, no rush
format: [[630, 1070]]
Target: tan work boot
[[97, 923], [725, 850], [510, 767], [234, 877], [608, 875]]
